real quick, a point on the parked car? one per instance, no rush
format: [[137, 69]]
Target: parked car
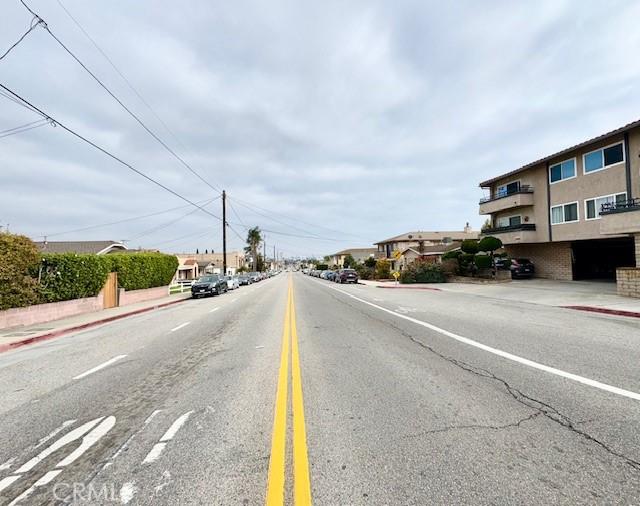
[[255, 276], [232, 282], [211, 284], [330, 275], [522, 268], [346, 276], [244, 279]]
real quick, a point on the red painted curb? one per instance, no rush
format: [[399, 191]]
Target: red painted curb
[[616, 312], [410, 288], [61, 332]]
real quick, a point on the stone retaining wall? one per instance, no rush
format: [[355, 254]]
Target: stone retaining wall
[[628, 281]]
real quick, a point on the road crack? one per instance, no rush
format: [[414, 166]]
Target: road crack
[[541, 407], [451, 428]]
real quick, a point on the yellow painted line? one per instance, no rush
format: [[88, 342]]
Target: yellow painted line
[[277, 461], [301, 480]]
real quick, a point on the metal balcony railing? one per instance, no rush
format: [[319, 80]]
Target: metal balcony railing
[[620, 207], [509, 228], [523, 188]]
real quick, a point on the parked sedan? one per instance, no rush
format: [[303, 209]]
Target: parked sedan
[[521, 268], [209, 285], [244, 279], [346, 276], [232, 282]]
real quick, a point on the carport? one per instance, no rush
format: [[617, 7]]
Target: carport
[[599, 258]]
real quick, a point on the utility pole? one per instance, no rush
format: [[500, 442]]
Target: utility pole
[[224, 233], [275, 261]]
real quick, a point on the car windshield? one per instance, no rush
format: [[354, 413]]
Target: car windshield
[[208, 279], [523, 260]]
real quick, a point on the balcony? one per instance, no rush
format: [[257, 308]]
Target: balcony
[[514, 234], [620, 217], [519, 196]]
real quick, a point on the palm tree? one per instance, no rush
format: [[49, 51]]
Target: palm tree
[[254, 238]]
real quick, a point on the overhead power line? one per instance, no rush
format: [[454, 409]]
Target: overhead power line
[[34, 23], [24, 128], [106, 152], [129, 111], [118, 222]]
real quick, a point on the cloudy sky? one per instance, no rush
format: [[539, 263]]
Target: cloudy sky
[[344, 122]]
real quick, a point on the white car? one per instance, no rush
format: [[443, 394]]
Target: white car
[[233, 282]]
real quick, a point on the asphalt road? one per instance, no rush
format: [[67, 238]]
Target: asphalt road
[[374, 396]]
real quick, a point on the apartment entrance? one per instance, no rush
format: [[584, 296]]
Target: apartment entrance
[[599, 258]]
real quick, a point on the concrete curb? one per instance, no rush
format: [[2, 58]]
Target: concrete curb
[[83, 326], [410, 288], [603, 310]]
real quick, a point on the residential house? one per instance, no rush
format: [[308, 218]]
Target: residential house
[[574, 213], [358, 254], [392, 248], [432, 254], [187, 269], [211, 263], [81, 247]]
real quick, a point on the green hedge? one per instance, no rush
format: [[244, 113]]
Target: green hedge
[[422, 272], [483, 261], [137, 271], [67, 276], [18, 257]]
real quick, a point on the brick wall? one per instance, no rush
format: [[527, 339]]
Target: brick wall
[[552, 259], [637, 240], [628, 281]]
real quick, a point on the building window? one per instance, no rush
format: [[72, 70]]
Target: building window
[[507, 189], [562, 170], [508, 221], [603, 158], [592, 207], [564, 213]]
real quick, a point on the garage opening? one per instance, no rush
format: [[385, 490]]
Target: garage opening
[[599, 258]]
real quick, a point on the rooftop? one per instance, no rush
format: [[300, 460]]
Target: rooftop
[[583, 144], [81, 247], [421, 235]]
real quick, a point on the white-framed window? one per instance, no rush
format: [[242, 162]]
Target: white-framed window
[[592, 206], [563, 170], [508, 221], [603, 158], [564, 213]]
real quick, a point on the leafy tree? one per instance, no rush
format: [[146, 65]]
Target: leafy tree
[[490, 244], [370, 262], [18, 259], [349, 261], [254, 238]]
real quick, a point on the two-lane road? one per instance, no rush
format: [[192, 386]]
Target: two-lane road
[[300, 390]]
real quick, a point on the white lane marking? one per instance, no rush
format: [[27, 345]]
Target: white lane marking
[[167, 436], [504, 354], [5, 482], [89, 440], [7, 464], [99, 367], [155, 452], [182, 325], [55, 432], [128, 441], [259, 347], [42, 481], [152, 416], [64, 440], [175, 427], [214, 309], [127, 492]]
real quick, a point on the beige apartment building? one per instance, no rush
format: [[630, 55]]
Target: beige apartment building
[[575, 213], [358, 254]]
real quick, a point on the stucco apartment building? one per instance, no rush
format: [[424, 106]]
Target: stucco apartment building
[[358, 254], [575, 213]]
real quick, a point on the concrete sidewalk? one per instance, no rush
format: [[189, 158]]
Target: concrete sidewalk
[[597, 296], [14, 337]]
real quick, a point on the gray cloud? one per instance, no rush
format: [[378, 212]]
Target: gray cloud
[[368, 117]]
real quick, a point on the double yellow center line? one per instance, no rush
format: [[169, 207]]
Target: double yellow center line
[[278, 460]]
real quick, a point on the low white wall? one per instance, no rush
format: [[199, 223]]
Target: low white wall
[[42, 313], [133, 297]]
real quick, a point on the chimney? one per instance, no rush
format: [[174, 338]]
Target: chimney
[[467, 228]]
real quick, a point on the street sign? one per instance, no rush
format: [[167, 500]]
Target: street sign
[[397, 254], [395, 274]]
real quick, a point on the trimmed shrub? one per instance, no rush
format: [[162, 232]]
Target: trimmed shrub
[[489, 244], [452, 255], [18, 259], [322, 267], [483, 261], [449, 266], [137, 271], [364, 272], [370, 262], [67, 276], [470, 246], [383, 269]]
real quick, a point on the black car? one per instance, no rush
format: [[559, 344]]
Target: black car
[[521, 268], [244, 279], [209, 285], [346, 276]]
